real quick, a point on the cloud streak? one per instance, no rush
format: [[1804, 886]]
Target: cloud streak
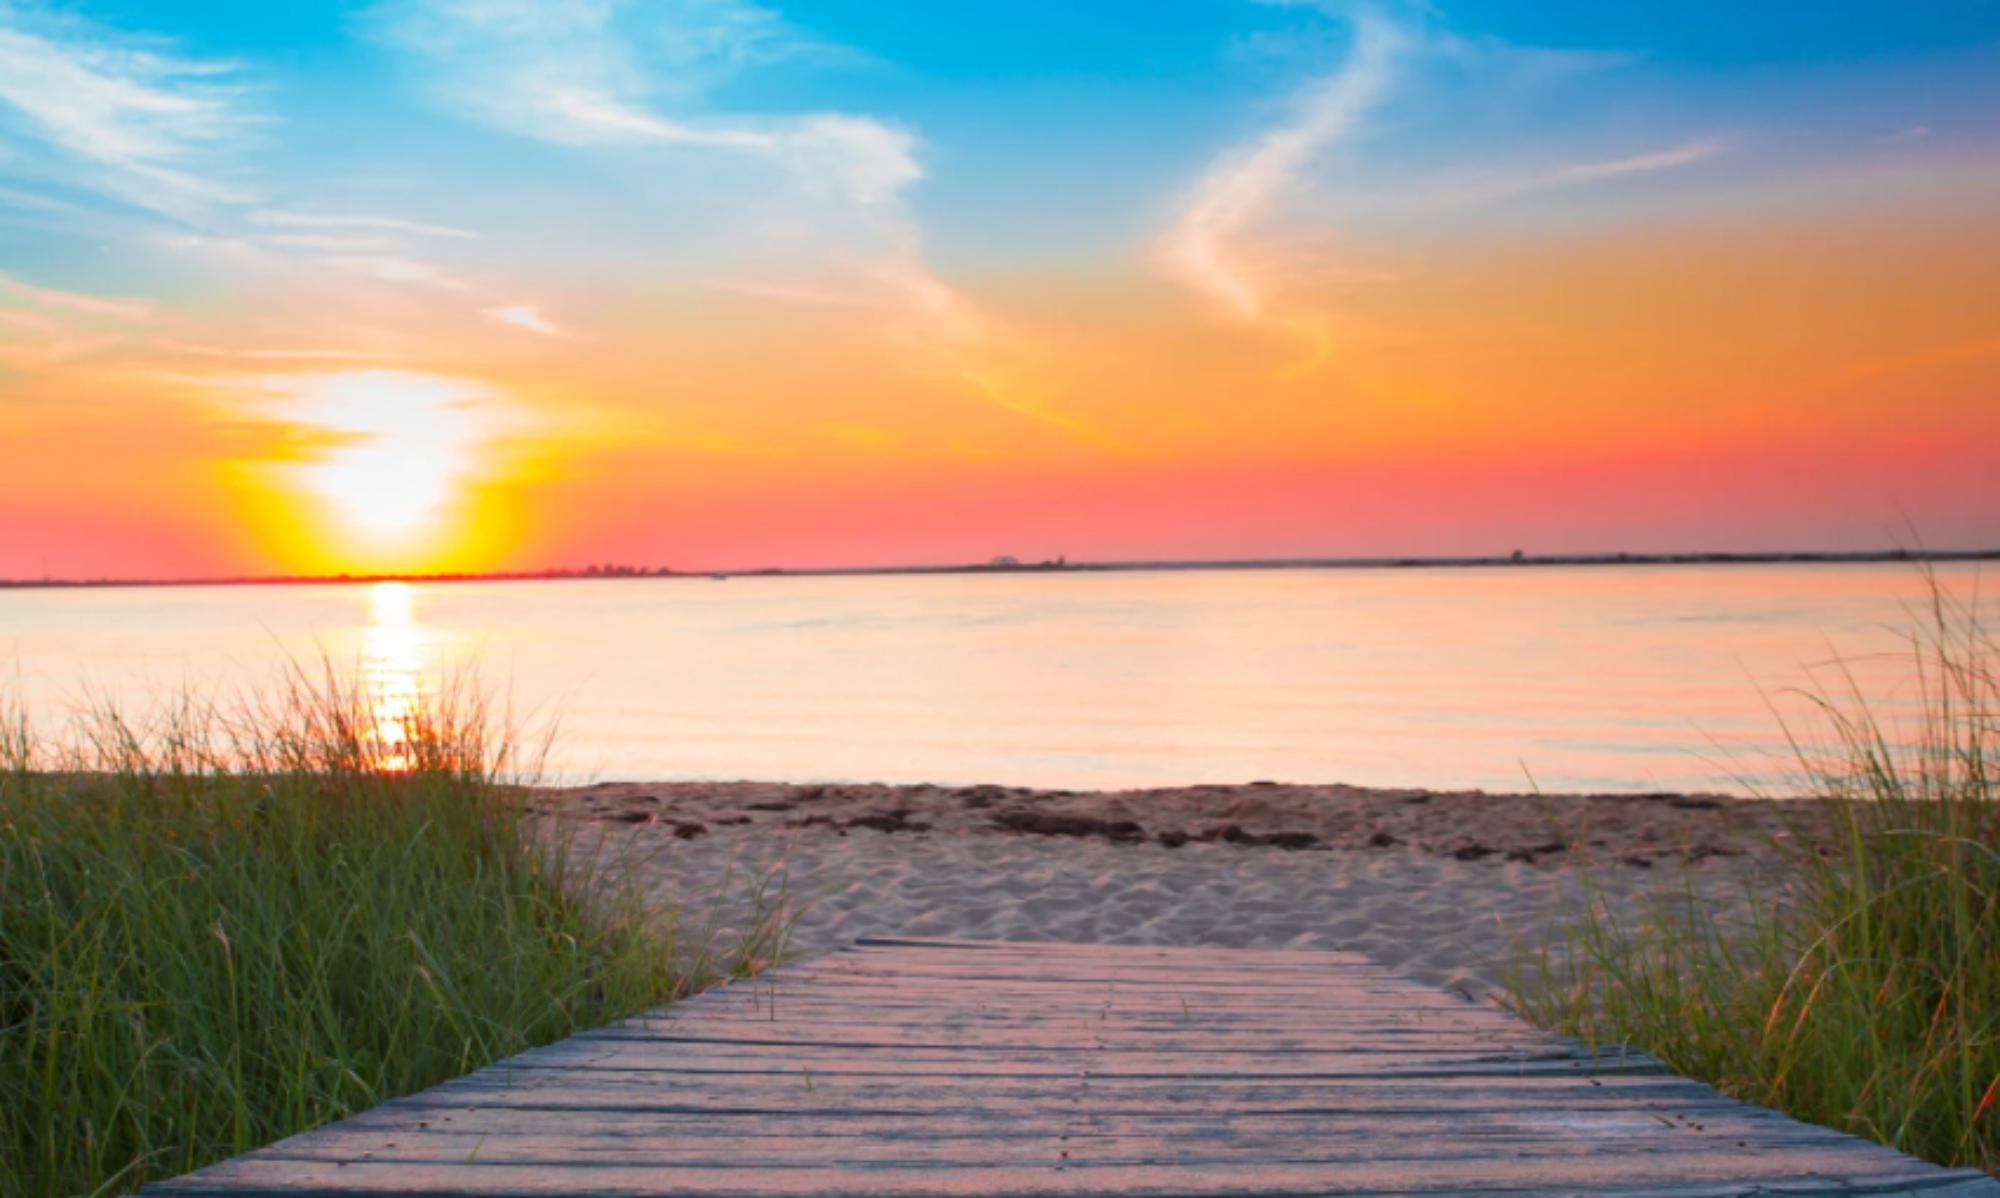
[[148, 124], [568, 71], [1640, 164], [1216, 245], [353, 224], [128, 310], [527, 317], [64, 325], [1208, 249], [395, 268]]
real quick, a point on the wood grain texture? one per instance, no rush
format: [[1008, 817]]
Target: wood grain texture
[[921, 1068]]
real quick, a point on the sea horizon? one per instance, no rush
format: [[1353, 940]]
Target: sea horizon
[[1581, 677], [1005, 564]]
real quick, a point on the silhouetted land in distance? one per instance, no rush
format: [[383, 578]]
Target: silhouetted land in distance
[[1010, 565]]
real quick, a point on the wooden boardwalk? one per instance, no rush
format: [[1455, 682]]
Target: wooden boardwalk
[[954, 1068]]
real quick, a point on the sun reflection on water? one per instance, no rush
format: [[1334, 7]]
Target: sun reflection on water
[[391, 661]]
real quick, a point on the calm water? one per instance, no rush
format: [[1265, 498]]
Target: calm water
[[1601, 679]]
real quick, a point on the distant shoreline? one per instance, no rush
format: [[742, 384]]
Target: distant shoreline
[[1058, 566]]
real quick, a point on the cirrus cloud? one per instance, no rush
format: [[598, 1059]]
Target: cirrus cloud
[[122, 114], [1220, 244], [593, 74]]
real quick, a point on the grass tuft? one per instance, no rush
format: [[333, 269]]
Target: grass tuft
[[241, 923], [1859, 986]]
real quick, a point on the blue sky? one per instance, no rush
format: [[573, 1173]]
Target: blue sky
[[1038, 130], [989, 38]]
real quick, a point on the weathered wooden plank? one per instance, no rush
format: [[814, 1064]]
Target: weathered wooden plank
[[1172, 1019], [1124, 961], [1026, 1000], [1174, 1014], [1003, 1095], [1358, 1066], [1227, 965], [1178, 1017], [1779, 1155], [782, 1100], [999, 981], [1173, 1009], [1192, 1030], [1046, 950], [1350, 1071], [1028, 996], [1359, 1136], [935, 1069], [998, 1000], [1357, 1058], [1595, 1174], [1719, 1120], [1001, 972], [1007, 970], [933, 1046], [1097, 967], [1091, 1035], [1023, 966]]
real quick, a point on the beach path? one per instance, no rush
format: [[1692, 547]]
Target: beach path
[[906, 1067]]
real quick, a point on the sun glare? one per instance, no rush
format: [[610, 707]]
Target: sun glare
[[391, 661], [398, 446]]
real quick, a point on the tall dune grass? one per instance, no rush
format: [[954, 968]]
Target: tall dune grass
[[1860, 989], [240, 923]]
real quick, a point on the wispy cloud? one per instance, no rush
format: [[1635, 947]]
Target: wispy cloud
[[62, 325], [1685, 154], [336, 247], [275, 355], [573, 72], [1220, 244], [1490, 186], [147, 124], [349, 224], [1925, 359], [128, 310], [32, 322], [974, 349], [525, 316], [1205, 247], [333, 243], [136, 119], [29, 339], [619, 50], [391, 268], [791, 293]]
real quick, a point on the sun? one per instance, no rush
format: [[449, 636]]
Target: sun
[[393, 448], [384, 489]]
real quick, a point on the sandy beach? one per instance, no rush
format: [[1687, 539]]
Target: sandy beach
[[1446, 888]]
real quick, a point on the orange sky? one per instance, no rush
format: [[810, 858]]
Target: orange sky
[[1711, 384], [1686, 342]]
